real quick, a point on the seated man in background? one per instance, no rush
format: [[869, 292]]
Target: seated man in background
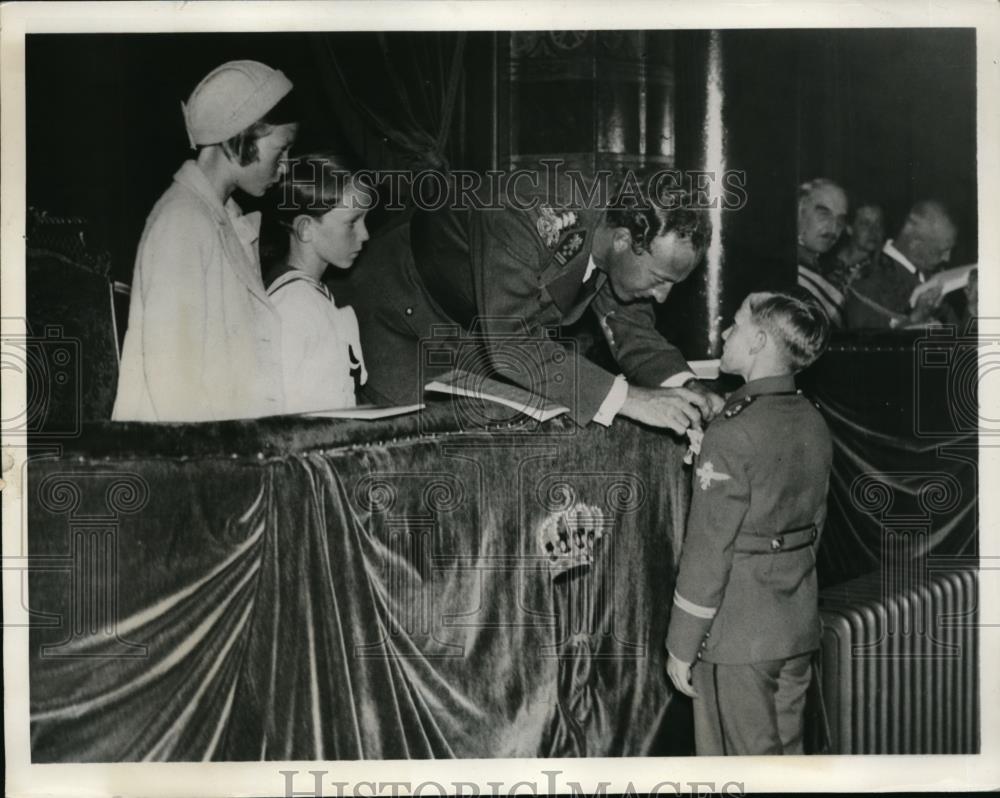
[[880, 297], [822, 218], [865, 239]]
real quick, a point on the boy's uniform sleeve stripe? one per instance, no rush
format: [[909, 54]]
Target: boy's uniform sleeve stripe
[[697, 610], [686, 635]]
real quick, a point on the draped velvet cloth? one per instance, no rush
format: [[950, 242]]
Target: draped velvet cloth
[[315, 589], [902, 408]]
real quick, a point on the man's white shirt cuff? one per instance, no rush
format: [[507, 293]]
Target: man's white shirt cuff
[[616, 397], [613, 402]]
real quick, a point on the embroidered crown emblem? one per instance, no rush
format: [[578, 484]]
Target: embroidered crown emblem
[[551, 224], [568, 537]]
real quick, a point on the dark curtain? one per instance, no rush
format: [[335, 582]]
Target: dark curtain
[[298, 589], [891, 114], [70, 354], [902, 408], [398, 88]]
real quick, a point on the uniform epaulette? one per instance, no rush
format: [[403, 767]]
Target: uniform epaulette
[[739, 407]]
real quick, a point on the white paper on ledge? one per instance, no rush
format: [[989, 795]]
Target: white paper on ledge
[[705, 369], [949, 280], [517, 399], [365, 412]]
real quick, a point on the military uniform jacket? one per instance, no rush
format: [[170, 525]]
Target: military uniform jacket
[[526, 276], [880, 297], [746, 591], [511, 278]]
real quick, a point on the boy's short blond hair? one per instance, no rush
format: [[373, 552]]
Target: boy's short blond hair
[[799, 325]]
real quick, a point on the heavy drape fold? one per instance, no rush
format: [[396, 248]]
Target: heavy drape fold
[[388, 599], [902, 408]]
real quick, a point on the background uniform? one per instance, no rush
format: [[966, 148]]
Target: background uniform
[[504, 277], [881, 295], [745, 607], [827, 279]]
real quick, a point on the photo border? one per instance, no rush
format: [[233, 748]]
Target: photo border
[[799, 774]]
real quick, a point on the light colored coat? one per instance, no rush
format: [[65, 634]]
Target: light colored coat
[[203, 340]]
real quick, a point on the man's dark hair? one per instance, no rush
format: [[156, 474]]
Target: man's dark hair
[[864, 202], [646, 219], [314, 183]]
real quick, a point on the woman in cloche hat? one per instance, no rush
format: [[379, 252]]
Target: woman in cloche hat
[[203, 340]]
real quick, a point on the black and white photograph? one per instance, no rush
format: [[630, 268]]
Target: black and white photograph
[[568, 401]]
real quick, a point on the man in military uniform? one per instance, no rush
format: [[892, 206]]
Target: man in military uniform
[[745, 618], [821, 221], [509, 277]]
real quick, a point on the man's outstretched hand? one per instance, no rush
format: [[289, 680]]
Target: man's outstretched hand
[[716, 402], [673, 408]]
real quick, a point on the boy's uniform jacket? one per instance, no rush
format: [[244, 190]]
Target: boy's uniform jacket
[[747, 590]]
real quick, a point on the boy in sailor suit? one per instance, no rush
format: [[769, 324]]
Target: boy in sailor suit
[[745, 619]]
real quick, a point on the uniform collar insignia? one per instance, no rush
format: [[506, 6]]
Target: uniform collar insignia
[[571, 247], [737, 407], [565, 276]]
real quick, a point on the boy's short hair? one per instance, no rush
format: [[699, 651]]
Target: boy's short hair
[[314, 183], [799, 325]]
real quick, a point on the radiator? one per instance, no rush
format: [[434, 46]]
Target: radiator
[[898, 668]]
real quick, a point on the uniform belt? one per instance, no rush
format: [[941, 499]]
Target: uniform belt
[[789, 540]]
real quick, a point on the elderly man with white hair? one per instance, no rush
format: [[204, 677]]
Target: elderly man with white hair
[[884, 294]]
